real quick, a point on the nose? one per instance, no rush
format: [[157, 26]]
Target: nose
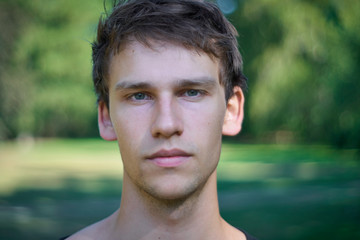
[[167, 119]]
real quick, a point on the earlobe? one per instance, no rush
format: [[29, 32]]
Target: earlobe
[[106, 128], [234, 113]]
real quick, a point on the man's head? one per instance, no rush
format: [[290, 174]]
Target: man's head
[[193, 24], [169, 80]]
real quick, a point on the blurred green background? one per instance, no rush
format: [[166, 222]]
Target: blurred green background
[[293, 172]]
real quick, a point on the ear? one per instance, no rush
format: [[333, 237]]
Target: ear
[[234, 113], [106, 129]]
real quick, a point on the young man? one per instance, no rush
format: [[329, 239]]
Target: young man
[[169, 80]]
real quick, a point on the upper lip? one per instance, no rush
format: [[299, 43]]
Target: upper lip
[[169, 153]]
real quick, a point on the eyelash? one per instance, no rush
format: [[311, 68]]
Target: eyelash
[[148, 96], [198, 92], [132, 96]]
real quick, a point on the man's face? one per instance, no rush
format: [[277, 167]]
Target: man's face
[[167, 110]]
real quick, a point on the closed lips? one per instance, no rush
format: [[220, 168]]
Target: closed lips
[[169, 154]]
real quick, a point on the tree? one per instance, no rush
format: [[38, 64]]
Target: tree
[[302, 59]]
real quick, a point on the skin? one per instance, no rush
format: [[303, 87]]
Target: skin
[[168, 113]]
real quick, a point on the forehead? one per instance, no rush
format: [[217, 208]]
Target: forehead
[[159, 62]]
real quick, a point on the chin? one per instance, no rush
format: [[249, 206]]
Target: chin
[[173, 192]]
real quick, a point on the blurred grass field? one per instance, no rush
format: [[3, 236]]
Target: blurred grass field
[[51, 188]]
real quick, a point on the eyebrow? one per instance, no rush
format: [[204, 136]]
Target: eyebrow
[[207, 82], [132, 85]]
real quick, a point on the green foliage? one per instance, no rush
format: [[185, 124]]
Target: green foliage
[[46, 87], [301, 58]]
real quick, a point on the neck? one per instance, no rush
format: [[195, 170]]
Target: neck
[[143, 217]]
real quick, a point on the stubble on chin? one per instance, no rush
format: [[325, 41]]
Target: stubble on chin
[[175, 206]]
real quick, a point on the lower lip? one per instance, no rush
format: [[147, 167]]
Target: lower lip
[[169, 162]]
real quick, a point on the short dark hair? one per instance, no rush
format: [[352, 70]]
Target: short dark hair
[[194, 24]]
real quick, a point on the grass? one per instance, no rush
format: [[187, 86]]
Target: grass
[[52, 188]]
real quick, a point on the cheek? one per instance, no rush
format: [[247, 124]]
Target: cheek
[[129, 133], [127, 120], [206, 124], [130, 128], [213, 114]]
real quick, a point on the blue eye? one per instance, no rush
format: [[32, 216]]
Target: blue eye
[[139, 96], [192, 92]]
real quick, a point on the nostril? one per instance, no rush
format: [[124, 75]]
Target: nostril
[[166, 124]]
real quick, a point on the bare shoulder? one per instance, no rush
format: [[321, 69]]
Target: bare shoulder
[[241, 235], [78, 236], [237, 234], [84, 234], [233, 233], [92, 232]]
